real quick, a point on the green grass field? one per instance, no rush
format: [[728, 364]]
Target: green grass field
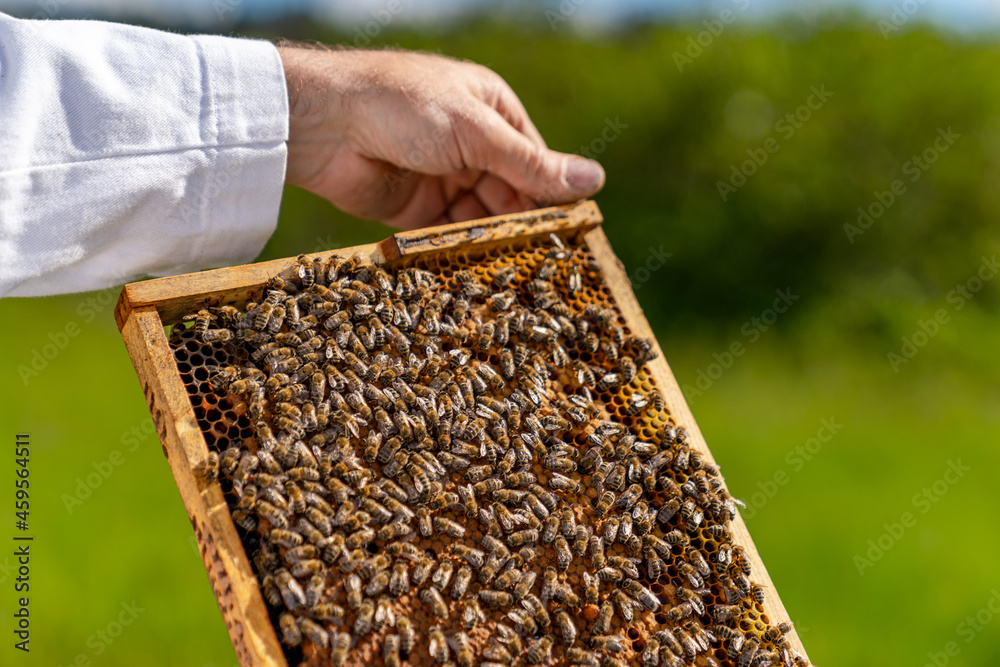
[[110, 528]]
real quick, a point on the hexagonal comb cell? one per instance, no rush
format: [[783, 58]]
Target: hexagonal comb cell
[[463, 458]]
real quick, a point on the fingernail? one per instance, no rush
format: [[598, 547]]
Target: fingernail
[[584, 175]]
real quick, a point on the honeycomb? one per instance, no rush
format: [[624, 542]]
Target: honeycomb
[[631, 521]]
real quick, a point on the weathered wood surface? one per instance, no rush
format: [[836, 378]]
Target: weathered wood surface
[[229, 571], [543, 221]]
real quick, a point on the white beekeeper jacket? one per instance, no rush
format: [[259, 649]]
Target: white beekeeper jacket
[[127, 152]]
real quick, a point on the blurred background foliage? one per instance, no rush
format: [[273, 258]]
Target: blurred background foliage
[[679, 132]]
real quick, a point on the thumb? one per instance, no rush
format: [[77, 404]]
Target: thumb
[[543, 175]]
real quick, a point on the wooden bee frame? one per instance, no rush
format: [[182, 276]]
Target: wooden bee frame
[[145, 308]]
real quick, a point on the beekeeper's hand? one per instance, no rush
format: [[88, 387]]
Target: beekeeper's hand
[[414, 139]]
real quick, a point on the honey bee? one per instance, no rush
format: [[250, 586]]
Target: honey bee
[[538, 650], [371, 566], [612, 574], [208, 468], [507, 579], [534, 504], [643, 595], [487, 486], [550, 528], [549, 499], [463, 649], [422, 571], [377, 584], [390, 651], [775, 632], [563, 483], [290, 633], [497, 654], [461, 585], [442, 575], [424, 524], [524, 584], [564, 557], [407, 636], [314, 632], [432, 598], [604, 504], [365, 618], [591, 589], [360, 538], [522, 537], [474, 557], [597, 556], [272, 514], [448, 527], [566, 627], [624, 604], [628, 499], [438, 647], [501, 301], [333, 547], [579, 656], [504, 517], [352, 585], [306, 568], [399, 582], [327, 611], [747, 653], [537, 608], [217, 336], [468, 499], [494, 598], [350, 560], [341, 643], [290, 590]]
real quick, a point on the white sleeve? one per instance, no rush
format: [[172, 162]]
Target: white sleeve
[[127, 152]]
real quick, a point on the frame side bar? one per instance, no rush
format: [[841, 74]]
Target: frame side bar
[[618, 283], [541, 221], [226, 563]]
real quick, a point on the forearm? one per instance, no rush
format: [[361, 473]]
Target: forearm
[[127, 152]]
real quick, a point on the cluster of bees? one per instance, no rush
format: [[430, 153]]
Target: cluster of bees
[[439, 474]]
